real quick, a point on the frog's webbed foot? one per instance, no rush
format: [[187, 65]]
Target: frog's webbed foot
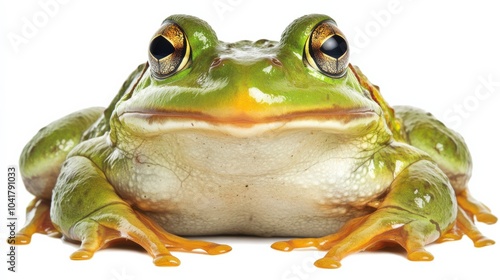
[[370, 232], [118, 221], [37, 221], [468, 209], [475, 208], [177, 243]]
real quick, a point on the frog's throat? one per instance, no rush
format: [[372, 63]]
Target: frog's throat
[[346, 121]]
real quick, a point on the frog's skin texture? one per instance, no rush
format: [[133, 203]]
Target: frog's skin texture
[[261, 138]]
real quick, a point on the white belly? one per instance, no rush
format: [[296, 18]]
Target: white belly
[[296, 183]]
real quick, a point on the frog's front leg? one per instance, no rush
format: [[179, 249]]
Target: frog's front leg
[[86, 208], [418, 208], [448, 149]]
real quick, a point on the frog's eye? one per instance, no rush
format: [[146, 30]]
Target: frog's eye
[[169, 51], [326, 49]]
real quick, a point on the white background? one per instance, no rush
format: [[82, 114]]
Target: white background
[[427, 54]]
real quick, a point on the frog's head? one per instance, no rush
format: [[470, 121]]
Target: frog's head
[[194, 81]]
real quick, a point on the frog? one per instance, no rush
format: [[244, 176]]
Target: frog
[[265, 138]]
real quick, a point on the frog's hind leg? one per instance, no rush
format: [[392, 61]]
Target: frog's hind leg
[[468, 209], [475, 207], [40, 164], [448, 149], [41, 159], [37, 221], [107, 218]]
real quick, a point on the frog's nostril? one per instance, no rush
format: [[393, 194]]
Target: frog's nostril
[[216, 62], [276, 62]]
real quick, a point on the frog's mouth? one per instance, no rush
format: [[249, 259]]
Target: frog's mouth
[[334, 121]]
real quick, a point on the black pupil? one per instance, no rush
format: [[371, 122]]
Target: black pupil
[[334, 46], [161, 47]]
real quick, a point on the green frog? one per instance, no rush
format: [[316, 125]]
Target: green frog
[[265, 138]]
